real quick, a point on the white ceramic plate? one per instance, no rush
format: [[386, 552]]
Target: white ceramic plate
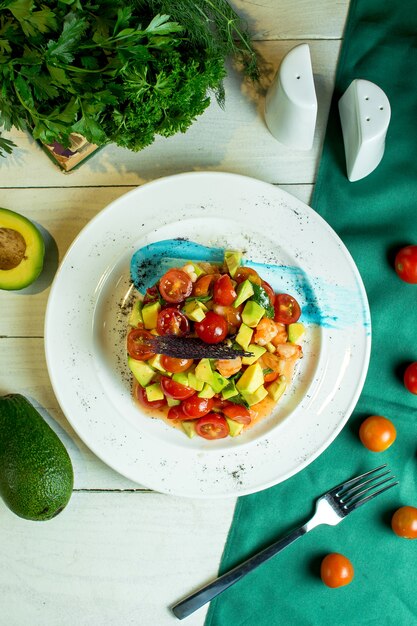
[[86, 323]]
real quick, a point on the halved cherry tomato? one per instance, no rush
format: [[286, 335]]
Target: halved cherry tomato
[[197, 407], [243, 273], [150, 404], [212, 426], [223, 291], [177, 413], [172, 322], [175, 390], [406, 264], [212, 329], [151, 295], [377, 433], [410, 378], [175, 285], [404, 522], [336, 570], [138, 344], [203, 285], [269, 291], [287, 309], [232, 316], [171, 364], [238, 413]]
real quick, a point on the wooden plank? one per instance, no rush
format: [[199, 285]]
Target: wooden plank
[[110, 558], [286, 19], [233, 140], [61, 213]]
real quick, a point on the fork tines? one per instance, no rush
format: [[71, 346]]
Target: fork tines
[[355, 492]]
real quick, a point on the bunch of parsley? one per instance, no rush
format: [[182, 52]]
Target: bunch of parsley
[[115, 71]]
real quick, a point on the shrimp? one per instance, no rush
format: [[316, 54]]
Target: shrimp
[[228, 367], [281, 336], [265, 331], [288, 354]]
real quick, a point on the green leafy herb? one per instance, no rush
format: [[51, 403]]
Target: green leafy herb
[[239, 399], [261, 297], [114, 70]]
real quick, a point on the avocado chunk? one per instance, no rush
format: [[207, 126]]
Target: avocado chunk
[[141, 371], [295, 332], [188, 427], [22, 251], [257, 352], [36, 475], [155, 362], [229, 391], [194, 382], [232, 259], [150, 314], [172, 401], [251, 379], [181, 378], [244, 292], [154, 392], [234, 427], [207, 391], [252, 313], [277, 388], [256, 396], [135, 317], [194, 310], [244, 336], [204, 372]]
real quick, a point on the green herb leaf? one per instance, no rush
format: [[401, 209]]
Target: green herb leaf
[[239, 399], [261, 297]]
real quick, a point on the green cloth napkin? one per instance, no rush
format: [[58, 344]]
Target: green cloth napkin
[[374, 217]]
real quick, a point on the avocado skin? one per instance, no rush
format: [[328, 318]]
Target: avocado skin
[[36, 474]]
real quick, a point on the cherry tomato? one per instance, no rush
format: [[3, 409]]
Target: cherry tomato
[[203, 285], [177, 413], [269, 291], [175, 390], [406, 264], [175, 285], [287, 309], [212, 426], [172, 322], [151, 295], [223, 291], [336, 570], [171, 364], [244, 273], [377, 433], [410, 378], [238, 413], [138, 344], [150, 404], [232, 316], [197, 407], [212, 329], [404, 522]]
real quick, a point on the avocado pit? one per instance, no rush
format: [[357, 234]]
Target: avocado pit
[[12, 248]]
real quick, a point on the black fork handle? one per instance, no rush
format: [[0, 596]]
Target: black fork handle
[[197, 599]]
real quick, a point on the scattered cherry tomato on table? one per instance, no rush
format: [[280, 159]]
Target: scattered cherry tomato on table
[[406, 264], [410, 378], [404, 522], [336, 570], [377, 433]]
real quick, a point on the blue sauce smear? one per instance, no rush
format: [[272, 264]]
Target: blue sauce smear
[[149, 263]]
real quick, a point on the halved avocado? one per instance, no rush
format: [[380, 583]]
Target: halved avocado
[[22, 251]]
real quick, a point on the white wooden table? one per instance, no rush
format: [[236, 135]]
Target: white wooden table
[[120, 554]]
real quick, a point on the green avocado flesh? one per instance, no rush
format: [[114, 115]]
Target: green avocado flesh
[[36, 474], [22, 251]]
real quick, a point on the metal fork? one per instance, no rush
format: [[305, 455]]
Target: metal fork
[[331, 508]]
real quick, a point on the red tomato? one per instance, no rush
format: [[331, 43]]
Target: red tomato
[[138, 344], [238, 413], [377, 433], [269, 291], [151, 295], [243, 273], [177, 413], [223, 291], [406, 264], [175, 285], [175, 390], [336, 570], [171, 364], [212, 329], [143, 399], [404, 522], [212, 426], [203, 285], [172, 322], [197, 407], [410, 378], [287, 309]]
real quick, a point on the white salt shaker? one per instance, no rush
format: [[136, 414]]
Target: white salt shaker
[[365, 114], [291, 102]]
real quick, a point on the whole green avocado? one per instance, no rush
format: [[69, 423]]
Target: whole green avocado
[[36, 474]]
